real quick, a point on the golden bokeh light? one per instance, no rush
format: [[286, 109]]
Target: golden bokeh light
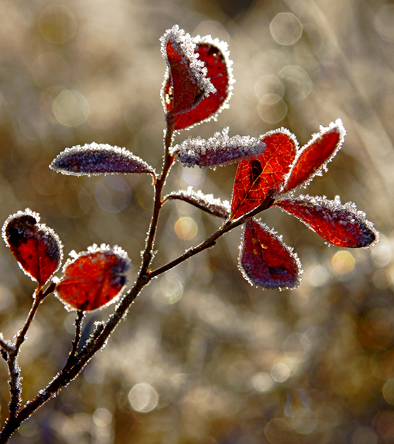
[[185, 228]]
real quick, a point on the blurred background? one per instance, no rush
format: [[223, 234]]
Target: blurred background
[[202, 356]]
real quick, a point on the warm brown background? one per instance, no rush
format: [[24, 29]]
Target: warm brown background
[[203, 357]]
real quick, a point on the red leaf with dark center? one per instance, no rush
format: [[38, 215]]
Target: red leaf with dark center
[[265, 260], [36, 247], [94, 278], [341, 225], [258, 178], [219, 73], [314, 156]]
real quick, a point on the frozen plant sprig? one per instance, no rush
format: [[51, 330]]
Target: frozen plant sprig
[[197, 86]]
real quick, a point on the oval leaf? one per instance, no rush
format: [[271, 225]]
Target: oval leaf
[[265, 260], [93, 278], [218, 150], [215, 56], [36, 247], [257, 178], [313, 158], [341, 225], [186, 82], [97, 158]]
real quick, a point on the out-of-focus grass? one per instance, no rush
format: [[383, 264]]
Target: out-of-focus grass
[[202, 356]]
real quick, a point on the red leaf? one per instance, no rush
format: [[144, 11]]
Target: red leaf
[[93, 278], [98, 158], [187, 83], [36, 247], [340, 225], [214, 54], [314, 156], [257, 178], [265, 260]]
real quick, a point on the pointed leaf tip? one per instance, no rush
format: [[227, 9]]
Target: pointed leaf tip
[[93, 278], [265, 260], [97, 158], [313, 158], [255, 179], [36, 247], [338, 224]]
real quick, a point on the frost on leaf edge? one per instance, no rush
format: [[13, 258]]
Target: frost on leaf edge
[[104, 248], [40, 227], [227, 149], [205, 202], [289, 249], [99, 147]]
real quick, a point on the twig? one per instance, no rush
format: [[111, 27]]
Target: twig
[[77, 337]]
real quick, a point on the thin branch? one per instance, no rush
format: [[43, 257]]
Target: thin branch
[[12, 361], [38, 297], [168, 160]]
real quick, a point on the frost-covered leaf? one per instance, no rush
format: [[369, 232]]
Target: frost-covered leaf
[[36, 247], [93, 278], [186, 78], [313, 158], [339, 224], [97, 158], [215, 56], [205, 202], [257, 178], [218, 150], [265, 260]]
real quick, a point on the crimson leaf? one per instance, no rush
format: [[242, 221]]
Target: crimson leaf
[[341, 225], [257, 178], [215, 56], [313, 157], [36, 247], [187, 83], [93, 278], [265, 260]]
